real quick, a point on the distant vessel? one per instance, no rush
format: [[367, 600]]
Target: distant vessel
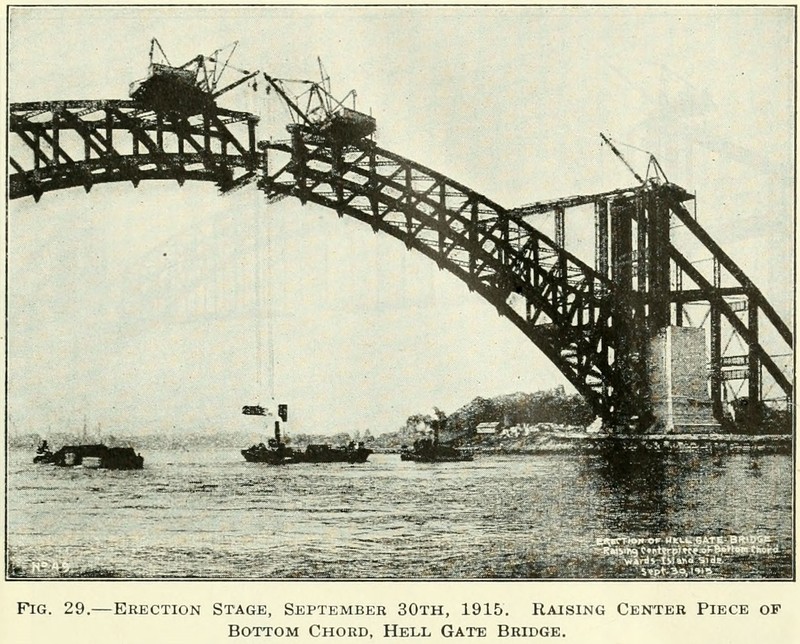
[[427, 450], [90, 456], [351, 453], [276, 452], [430, 450]]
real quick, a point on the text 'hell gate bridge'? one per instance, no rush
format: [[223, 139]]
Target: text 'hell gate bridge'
[[616, 325]]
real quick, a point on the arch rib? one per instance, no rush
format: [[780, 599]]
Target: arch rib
[[594, 329]]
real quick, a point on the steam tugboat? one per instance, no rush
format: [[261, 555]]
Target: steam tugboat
[[430, 450], [276, 452], [427, 450], [90, 456]]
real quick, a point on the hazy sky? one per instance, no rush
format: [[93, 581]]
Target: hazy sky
[[136, 308]]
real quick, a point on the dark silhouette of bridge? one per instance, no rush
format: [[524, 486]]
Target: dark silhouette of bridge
[[593, 318]]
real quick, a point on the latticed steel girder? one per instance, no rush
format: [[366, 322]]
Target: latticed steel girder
[[63, 144], [594, 328], [563, 305], [651, 250], [749, 300]]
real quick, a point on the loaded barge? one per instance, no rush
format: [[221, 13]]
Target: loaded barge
[[90, 456]]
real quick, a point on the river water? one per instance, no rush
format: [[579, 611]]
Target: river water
[[208, 514]]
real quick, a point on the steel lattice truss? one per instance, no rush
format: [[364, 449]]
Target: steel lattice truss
[[648, 256], [64, 144], [563, 305], [593, 322]]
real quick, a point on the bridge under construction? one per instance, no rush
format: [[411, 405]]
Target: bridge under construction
[[616, 323]]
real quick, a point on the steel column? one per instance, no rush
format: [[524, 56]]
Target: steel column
[[621, 245], [559, 227], [716, 362], [753, 363], [601, 236], [658, 262]]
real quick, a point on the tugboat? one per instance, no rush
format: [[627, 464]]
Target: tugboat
[[90, 456], [427, 450], [276, 452]]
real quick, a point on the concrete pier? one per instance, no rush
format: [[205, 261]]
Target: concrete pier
[[677, 370]]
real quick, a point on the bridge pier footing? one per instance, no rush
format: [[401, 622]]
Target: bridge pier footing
[[676, 361]]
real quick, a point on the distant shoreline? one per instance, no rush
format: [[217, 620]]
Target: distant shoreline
[[597, 443], [540, 442]]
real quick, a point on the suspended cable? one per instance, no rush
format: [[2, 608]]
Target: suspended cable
[[628, 145]]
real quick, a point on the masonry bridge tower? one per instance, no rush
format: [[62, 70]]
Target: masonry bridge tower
[[617, 324]]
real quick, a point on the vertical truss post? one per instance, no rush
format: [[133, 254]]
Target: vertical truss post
[[559, 226], [641, 245], [206, 132], [160, 132], [753, 363], [337, 169], [473, 238], [506, 235], [658, 261], [559, 239], [408, 200], [373, 187], [716, 362], [678, 289], [299, 163], [442, 220], [56, 143], [251, 138], [37, 150], [624, 394], [643, 281], [621, 247], [601, 236], [109, 132]]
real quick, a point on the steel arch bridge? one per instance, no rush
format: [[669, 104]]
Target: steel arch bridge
[[593, 321]]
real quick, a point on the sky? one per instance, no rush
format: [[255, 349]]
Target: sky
[[135, 310]]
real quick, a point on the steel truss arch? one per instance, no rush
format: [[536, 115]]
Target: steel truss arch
[[55, 145], [593, 323], [561, 304]]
